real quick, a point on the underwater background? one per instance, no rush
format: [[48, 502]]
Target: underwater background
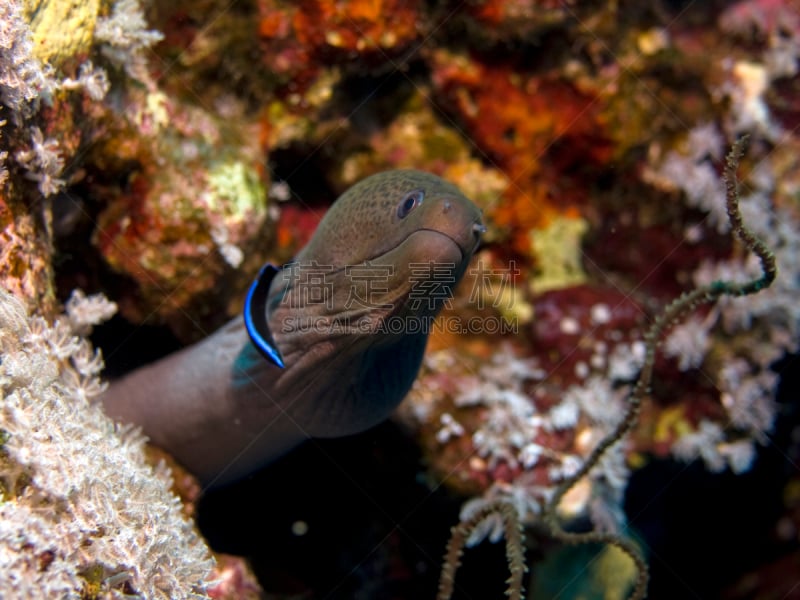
[[153, 155]]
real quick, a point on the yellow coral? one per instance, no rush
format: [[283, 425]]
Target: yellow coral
[[557, 248], [615, 572], [236, 190], [61, 28], [672, 424]]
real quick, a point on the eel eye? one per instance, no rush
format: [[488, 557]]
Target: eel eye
[[409, 202]]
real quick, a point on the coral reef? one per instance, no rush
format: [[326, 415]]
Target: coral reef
[[191, 211], [83, 513], [513, 504], [76, 523], [161, 152]]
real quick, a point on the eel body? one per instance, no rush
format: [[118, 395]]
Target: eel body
[[347, 317]]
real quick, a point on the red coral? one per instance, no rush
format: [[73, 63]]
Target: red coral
[[363, 26], [298, 39], [569, 323], [295, 227], [655, 259], [535, 128], [504, 18], [284, 54]]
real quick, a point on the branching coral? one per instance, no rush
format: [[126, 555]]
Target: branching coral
[[736, 341], [675, 311], [82, 514], [127, 37], [43, 163], [510, 527], [21, 75]]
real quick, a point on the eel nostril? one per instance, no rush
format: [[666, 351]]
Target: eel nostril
[[446, 206]]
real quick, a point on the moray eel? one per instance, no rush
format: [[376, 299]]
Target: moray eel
[[338, 334]]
